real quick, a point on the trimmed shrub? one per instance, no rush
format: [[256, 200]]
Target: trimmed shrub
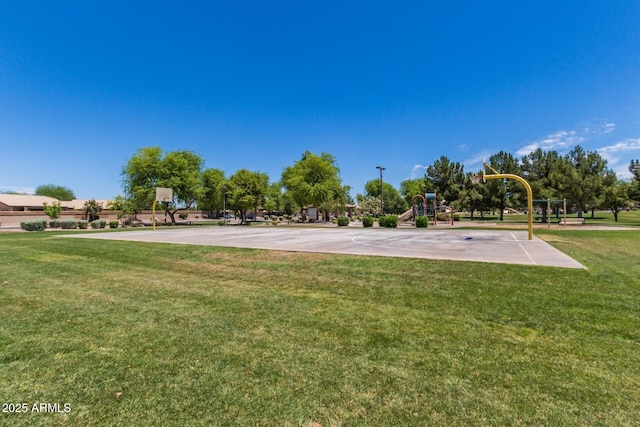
[[422, 222], [82, 224], [389, 221], [367, 221], [68, 224], [54, 223], [98, 223], [34, 224], [343, 221], [183, 215], [113, 224], [456, 217]]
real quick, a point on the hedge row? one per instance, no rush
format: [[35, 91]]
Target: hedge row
[[34, 224], [65, 224]]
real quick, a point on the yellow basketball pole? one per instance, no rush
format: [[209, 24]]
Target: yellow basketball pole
[[153, 215], [497, 175]]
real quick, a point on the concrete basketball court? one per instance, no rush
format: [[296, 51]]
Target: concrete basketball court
[[496, 246]]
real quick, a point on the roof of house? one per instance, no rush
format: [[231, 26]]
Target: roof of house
[[79, 204], [20, 200]]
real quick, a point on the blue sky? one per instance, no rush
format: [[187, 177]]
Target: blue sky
[[253, 84]]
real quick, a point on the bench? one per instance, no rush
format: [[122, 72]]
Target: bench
[[572, 221]]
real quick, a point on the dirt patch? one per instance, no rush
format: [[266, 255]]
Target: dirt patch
[[289, 255], [553, 238]]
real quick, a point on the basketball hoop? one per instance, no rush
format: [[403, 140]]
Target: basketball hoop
[[164, 194]]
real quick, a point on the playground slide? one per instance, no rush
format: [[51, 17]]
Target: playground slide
[[407, 216]]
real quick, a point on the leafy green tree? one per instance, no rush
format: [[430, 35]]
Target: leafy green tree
[[634, 190], [273, 198], [178, 170], [634, 168], [56, 191], [582, 178], [616, 196], [314, 181], [246, 191], [288, 203], [52, 211], [393, 203], [446, 178], [540, 169], [474, 197], [410, 188], [141, 175], [507, 192], [214, 189], [182, 172], [117, 203]]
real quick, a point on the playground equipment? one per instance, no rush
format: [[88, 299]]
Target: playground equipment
[[427, 205]]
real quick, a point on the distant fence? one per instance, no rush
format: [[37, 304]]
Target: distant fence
[[14, 218]]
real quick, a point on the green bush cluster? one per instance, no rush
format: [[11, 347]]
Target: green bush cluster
[[54, 223], [367, 221], [113, 224], [34, 224], [422, 222], [68, 224], [98, 223], [389, 221], [82, 224], [456, 217], [343, 221]]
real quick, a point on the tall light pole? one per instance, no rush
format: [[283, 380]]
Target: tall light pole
[[381, 196]]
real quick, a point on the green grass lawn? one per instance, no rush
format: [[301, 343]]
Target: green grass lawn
[[626, 218], [131, 333]]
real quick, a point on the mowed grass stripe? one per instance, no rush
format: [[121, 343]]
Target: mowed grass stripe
[[156, 334]]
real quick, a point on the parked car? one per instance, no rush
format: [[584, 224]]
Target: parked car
[[229, 216]]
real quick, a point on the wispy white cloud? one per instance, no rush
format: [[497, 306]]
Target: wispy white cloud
[[563, 139], [418, 168], [28, 190], [476, 161], [555, 141], [610, 152], [608, 128]]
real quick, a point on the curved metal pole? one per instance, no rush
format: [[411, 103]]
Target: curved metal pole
[[529, 195], [424, 205]]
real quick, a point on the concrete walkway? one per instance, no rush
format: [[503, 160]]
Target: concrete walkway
[[496, 246]]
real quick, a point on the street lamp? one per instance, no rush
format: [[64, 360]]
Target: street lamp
[[381, 196]]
